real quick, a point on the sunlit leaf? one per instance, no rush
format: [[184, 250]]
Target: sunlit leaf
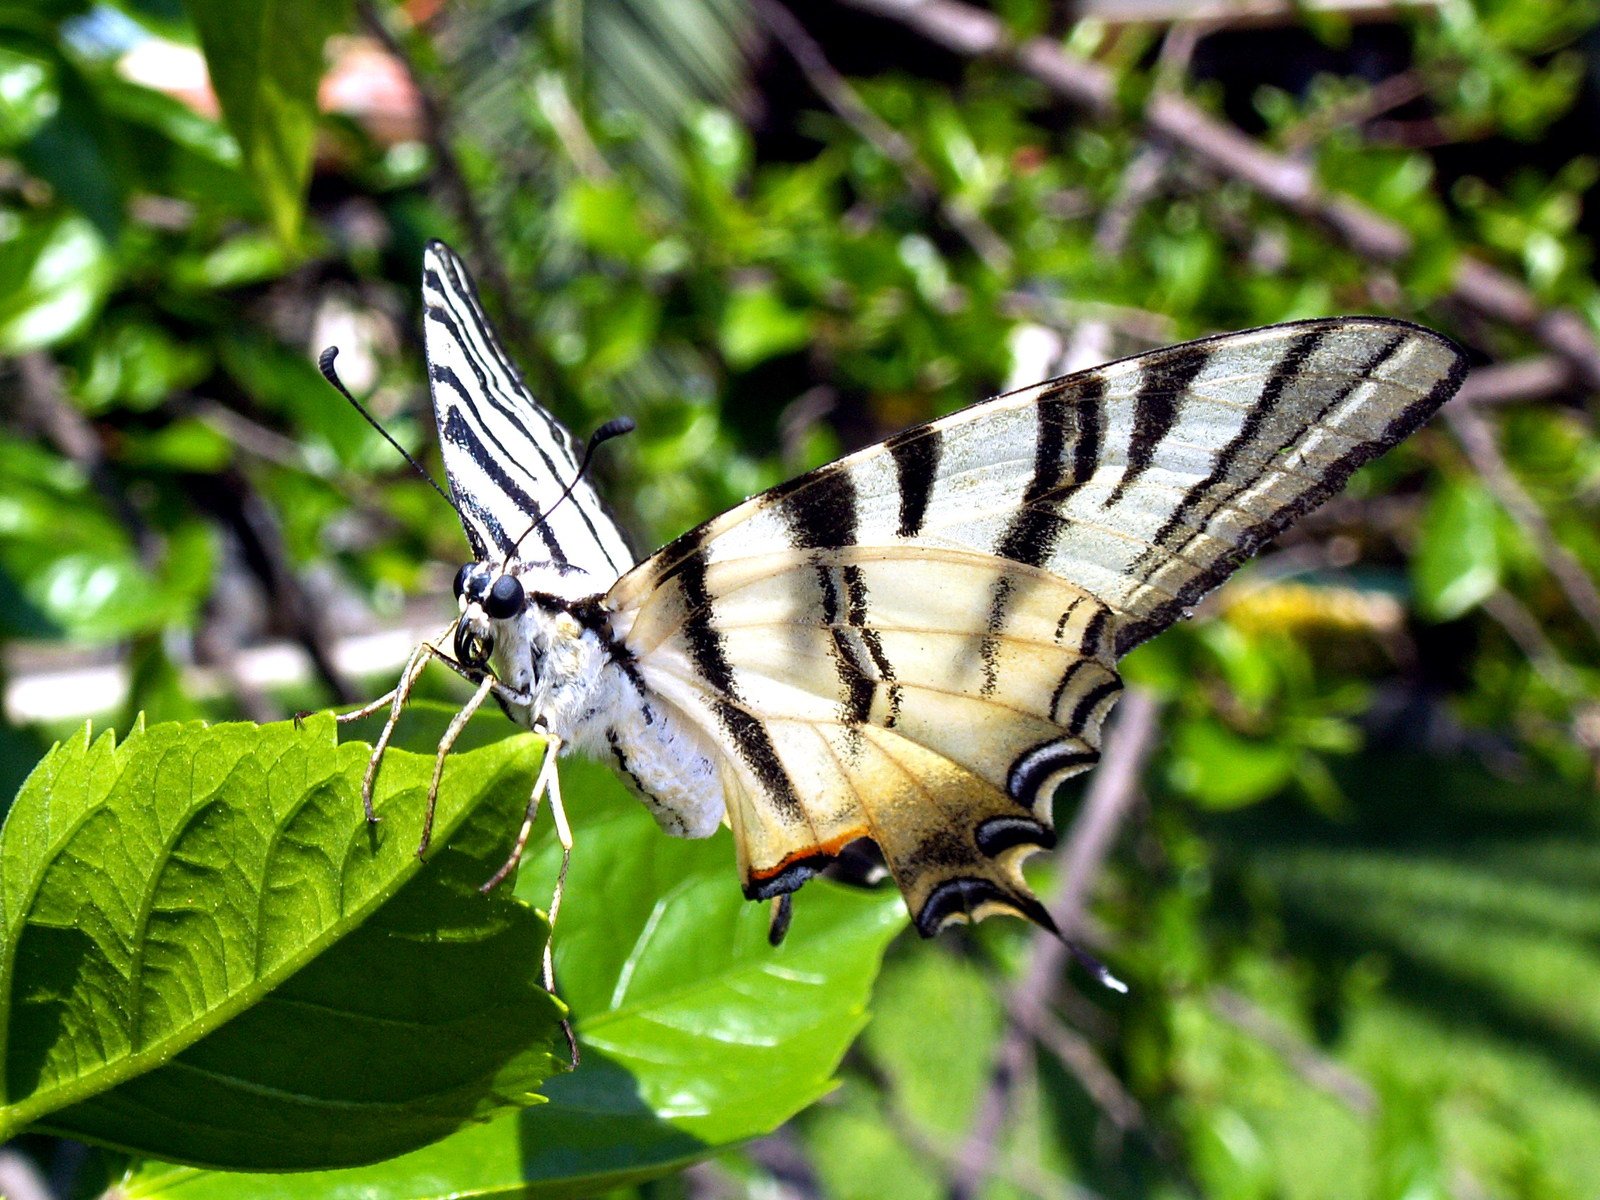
[[1458, 561], [54, 272], [695, 1032], [265, 58], [178, 978]]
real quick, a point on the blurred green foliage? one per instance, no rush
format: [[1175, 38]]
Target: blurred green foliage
[[1359, 912]]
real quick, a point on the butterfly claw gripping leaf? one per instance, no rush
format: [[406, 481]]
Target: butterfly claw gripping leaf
[[914, 644]]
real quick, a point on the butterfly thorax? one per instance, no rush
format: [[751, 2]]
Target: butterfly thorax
[[561, 652]]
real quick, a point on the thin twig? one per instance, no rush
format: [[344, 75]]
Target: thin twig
[[1173, 118], [1112, 792], [1021, 1177], [1302, 1057], [1382, 97], [1537, 377], [1111, 796], [837, 93], [1523, 628], [1151, 328], [1079, 1056], [1091, 343], [1478, 441], [242, 509]]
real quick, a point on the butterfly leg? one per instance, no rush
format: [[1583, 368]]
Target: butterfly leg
[[558, 813], [545, 781], [446, 744], [396, 700], [548, 781]]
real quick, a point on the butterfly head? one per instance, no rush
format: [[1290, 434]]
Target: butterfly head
[[486, 597]]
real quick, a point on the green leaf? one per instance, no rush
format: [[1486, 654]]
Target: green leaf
[[164, 905], [28, 95], [757, 324], [54, 272], [78, 152], [265, 60], [1457, 564], [695, 1032], [607, 218], [668, 970], [180, 152], [935, 1025], [860, 1156], [1222, 769]]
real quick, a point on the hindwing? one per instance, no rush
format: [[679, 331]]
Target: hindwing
[[917, 643]]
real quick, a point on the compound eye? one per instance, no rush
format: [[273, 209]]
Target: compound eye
[[461, 578], [504, 598]]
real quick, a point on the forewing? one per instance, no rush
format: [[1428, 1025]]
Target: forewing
[[508, 460], [918, 642]]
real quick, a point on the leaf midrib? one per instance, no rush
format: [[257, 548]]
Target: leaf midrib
[[16, 1116]]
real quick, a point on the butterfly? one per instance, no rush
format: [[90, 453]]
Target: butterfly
[[915, 644]]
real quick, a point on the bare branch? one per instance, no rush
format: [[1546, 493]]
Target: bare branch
[[1302, 1057], [1168, 116], [1111, 796], [1534, 378], [1080, 1057], [1112, 792], [1478, 441], [1523, 628], [836, 91]]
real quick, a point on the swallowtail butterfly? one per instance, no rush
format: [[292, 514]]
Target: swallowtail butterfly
[[914, 644]]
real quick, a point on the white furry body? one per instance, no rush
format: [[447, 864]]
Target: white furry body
[[583, 695]]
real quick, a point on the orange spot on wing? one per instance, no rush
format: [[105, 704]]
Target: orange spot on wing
[[829, 849]]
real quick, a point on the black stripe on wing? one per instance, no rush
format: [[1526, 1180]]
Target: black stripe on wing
[[1330, 479], [709, 654], [496, 397]]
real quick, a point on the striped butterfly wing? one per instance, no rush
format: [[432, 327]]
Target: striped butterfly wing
[[507, 459], [917, 643]]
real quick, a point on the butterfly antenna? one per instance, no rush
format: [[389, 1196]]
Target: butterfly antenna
[[325, 365], [613, 428]]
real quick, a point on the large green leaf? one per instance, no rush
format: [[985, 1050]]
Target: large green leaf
[[695, 1032], [185, 883], [265, 60]]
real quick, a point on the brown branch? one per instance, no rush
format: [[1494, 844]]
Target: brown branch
[[1079, 1056], [1523, 628], [1382, 97], [1304, 1059], [1111, 796], [836, 92], [300, 614], [1170, 117], [1534, 378], [1482, 450], [1024, 1179]]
